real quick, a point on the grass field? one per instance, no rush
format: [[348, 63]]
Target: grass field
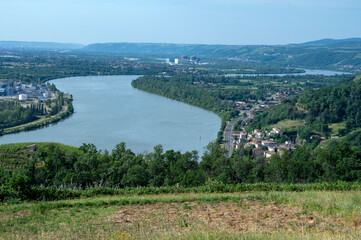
[[335, 127], [287, 124], [254, 215]]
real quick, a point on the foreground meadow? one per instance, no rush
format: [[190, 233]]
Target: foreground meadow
[[252, 215]]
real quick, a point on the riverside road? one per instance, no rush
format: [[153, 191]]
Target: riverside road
[[228, 132]]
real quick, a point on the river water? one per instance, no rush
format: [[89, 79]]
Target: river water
[[108, 110], [306, 72]]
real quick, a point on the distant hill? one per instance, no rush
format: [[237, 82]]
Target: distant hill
[[329, 41], [40, 45], [327, 53], [167, 49], [341, 54]]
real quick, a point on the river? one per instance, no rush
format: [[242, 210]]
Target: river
[[108, 110], [306, 72]]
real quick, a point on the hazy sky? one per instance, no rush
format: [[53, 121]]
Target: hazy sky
[[179, 21]]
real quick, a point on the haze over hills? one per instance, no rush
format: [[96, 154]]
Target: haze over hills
[[40, 45], [341, 54], [151, 48], [328, 41], [332, 54]]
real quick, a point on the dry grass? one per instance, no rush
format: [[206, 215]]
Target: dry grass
[[275, 215]]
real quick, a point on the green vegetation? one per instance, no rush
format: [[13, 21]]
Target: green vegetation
[[12, 114], [287, 124], [332, 110], [312, 192], [39, 66], [338, 104], [261, 215], [54, 171], [16, 118], [218, 94], [185, 88]]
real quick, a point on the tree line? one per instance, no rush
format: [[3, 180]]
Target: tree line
[[13, 114], [52, 165]]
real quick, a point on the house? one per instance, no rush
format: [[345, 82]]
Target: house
[[258, 133], [258, 152], [243, 135], [256, 142], [236, 134], [269, 143], [272, 149], [275, 131], [242, 140], [268, 154], [247, 145], [314, 137]]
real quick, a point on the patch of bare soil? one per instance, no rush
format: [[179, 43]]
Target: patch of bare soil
[[19, 214], [247, 215]]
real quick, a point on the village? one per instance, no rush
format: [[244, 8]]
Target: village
[[263, 140], [264, 144]]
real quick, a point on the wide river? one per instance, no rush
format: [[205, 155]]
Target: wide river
[[108, 110]]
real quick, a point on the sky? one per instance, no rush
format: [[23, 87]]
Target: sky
[[238, 22]]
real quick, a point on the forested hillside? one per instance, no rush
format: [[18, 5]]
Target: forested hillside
[[334, 105], [319, 109]]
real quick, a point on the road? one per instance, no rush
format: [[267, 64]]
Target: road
[[228, 133]]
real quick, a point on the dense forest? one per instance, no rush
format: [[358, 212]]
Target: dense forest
[[188, 89], [54, 165], [334, 105]]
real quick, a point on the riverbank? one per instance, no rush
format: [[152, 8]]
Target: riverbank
[[44, 121], [109, 111], [228, 96]]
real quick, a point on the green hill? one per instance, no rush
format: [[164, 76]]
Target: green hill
[[15, 156], [322, 110]]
